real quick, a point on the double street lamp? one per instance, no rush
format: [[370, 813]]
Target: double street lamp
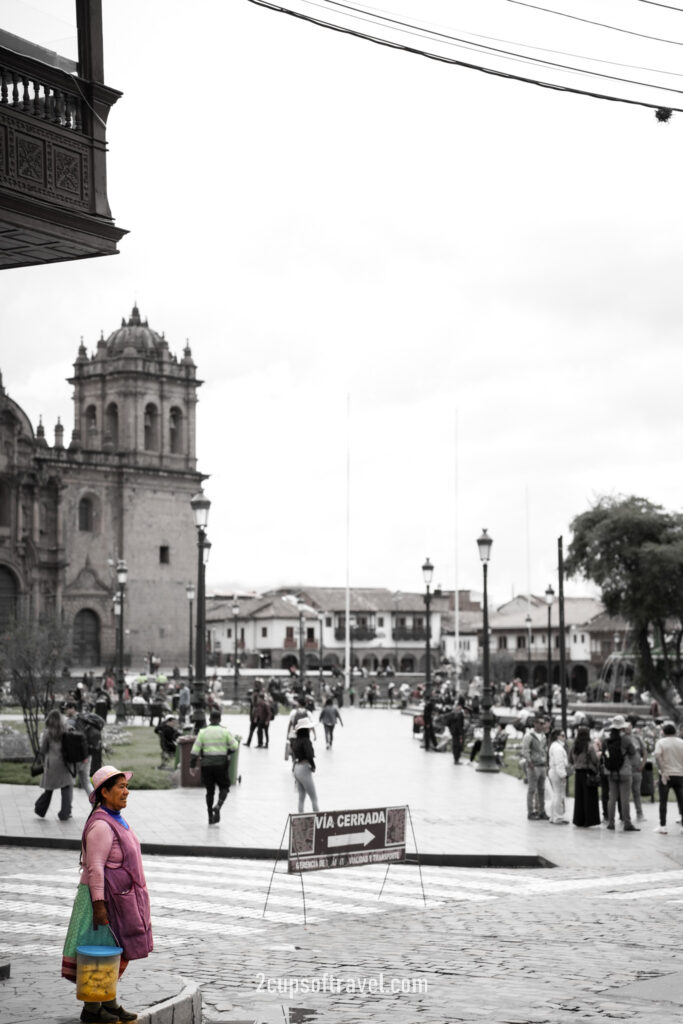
[[321, 621], [200, 509], [189, 590], [235, 620], [121, 580], [549, 598], [487, 758], [300, 606], [528, 650], [427, 574]]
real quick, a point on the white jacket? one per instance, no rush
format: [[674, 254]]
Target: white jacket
[[558, 761]]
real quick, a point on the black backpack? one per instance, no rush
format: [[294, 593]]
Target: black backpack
[[614, 755], [74, 747], [91, 726]]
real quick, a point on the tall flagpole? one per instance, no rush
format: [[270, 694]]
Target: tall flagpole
[[347, 608], [456, 596]]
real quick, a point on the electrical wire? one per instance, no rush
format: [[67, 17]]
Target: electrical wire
[[654, 3], [479, 48], [441, 58], [381, 13], [600, 24]]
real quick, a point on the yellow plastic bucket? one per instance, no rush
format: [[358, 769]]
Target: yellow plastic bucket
[[97, 972]]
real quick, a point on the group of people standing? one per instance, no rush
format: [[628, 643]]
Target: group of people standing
[[608, 773], [62, 770]]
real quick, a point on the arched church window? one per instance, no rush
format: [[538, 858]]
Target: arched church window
[[5, 505], [151, 428], [111, 423], [90, 420], [175, 428], [86, 515], [9, 593]]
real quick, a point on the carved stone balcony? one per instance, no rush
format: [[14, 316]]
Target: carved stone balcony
[[53, 188]]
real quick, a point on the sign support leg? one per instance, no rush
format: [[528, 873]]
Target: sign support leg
[[386, 875], [419, 866], [270, 883], [303, 894]]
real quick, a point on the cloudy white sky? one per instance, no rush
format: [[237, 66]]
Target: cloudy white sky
[[324, 218]]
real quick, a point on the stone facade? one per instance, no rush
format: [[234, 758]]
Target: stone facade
[[120, 490]]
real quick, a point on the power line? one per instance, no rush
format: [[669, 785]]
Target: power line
[[654, 3], [507, 54], [600, 24], [441, 58]]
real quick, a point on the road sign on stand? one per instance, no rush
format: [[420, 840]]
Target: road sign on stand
[[337, 839]]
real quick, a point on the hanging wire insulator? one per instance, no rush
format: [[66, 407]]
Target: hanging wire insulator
[[663, 114]]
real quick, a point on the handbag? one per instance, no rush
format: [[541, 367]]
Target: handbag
[[37, 767], [592, 778]]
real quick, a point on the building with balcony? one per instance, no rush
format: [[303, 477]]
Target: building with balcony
[[53, 173], [121, 488]]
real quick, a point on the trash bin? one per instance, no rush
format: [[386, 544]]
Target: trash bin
[[647, 782], [186, 777], [233, 764]]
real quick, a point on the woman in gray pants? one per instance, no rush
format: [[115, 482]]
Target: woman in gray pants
[[304, 763]]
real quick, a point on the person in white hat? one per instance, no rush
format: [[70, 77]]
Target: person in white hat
[[112, 865], [303, 756]]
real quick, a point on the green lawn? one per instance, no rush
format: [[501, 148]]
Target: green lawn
[[133, 748]]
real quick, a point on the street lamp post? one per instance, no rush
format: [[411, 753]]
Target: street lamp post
[[321, 621], [528, 650], [121, 580], [189, 590], [200, 509], [549, 597], [300, 606], [487, 758], [427, 574], [235, 620]]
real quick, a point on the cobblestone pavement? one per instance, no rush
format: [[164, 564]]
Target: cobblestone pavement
[[505, 947]]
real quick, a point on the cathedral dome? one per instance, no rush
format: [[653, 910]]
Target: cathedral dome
[[134, 335]]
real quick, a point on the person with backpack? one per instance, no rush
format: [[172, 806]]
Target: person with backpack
[[455, 720], [618, 752], [75, 745], [56, 774], [669, 759]]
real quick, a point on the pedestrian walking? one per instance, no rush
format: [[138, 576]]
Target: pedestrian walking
[[184, 704], [669, 760], [535, 753], [455, 721], [558, 771], [303, 756], [618, 753], [329, 716], [56, 774], [112, 893], [168, 735], [428, 720], [212, 747], [584, 757]]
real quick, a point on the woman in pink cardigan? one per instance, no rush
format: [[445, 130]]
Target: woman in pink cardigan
[[112, 904]]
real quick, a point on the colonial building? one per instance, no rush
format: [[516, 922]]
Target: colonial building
[[120, 489]]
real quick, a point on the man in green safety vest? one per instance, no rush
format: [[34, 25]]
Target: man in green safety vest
[[212, 748]]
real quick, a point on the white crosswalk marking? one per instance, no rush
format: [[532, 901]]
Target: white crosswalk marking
[[35, 910]]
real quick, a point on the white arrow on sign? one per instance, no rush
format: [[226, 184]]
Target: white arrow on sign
[[352, 839]]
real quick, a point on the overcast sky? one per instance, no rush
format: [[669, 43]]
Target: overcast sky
[[324, 218]]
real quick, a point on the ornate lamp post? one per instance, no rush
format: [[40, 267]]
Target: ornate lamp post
[[528, 649], [549, 597], [487, 759], [200, 509], [189, 590], [427, 574], [321, 622], [300, 606], [235, 620], [121, 580]]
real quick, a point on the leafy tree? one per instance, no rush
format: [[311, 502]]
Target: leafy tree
[[633, 550], [31, 654]]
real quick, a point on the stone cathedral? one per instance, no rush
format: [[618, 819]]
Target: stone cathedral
[[121, 488]]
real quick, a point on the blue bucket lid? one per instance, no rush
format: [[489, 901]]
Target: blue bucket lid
[[99, 950]]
